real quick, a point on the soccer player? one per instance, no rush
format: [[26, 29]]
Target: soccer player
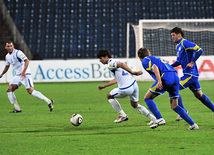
[[166, 80], [127, 86], [20, 64], [187, 54]]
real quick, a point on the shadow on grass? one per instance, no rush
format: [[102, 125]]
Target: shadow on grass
[[80, 130]]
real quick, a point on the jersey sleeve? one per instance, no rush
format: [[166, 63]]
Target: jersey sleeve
[[112, 65], [21, 55], [7, 62], [190, 46], [195, 49], [147, 63]]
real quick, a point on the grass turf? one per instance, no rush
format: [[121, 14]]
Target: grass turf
[[38, 131]]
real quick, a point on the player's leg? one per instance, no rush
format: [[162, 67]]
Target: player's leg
[[12, 98], [185, 82], [183, 114], [148, 98], [15, 83], [173, 90], [116, 93], [143, 111], [28, 83], [134, 97], [180, 103], [196, 89]]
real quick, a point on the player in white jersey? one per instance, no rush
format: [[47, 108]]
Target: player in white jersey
[[127, 86], [20, 64]]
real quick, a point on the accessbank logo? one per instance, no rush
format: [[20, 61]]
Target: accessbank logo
[[69, 71]]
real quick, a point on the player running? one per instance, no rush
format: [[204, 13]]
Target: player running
[[20, 64], [127, 86], [187, 54], [166, 80]]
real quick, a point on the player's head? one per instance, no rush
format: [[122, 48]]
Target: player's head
[[143, 52], [9, 46], [104, 56], [177, 33], [104, 53]]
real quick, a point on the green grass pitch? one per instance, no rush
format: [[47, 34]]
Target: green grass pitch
[[38, 131]]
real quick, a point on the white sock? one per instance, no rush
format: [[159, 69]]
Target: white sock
[[153, 118], [40, 96], [116, 105], [11, 97], [13, 100], [145, 112]]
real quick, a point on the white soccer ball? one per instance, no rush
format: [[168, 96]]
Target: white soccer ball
[[76, 119]]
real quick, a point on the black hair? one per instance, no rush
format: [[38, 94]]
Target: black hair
[[8, 42], [177, 30], [143, 52], [103, 53]]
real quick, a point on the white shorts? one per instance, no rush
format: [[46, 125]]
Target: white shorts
[[27, 82], [132, 92]]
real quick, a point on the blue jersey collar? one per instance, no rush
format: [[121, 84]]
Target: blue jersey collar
[[180, 40]]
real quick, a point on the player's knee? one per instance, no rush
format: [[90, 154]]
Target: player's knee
[[198, 94], [30, 90], [134, 104], [145, 97], [8, 90], [12, 88], [109, 96]]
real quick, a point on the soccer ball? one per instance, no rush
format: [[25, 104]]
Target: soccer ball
[[76, 119]]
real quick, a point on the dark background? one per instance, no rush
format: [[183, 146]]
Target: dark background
[[68, 29]]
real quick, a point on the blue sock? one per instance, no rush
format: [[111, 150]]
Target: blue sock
[[153, 107], [206, 101], [183, 114], [180, 103]]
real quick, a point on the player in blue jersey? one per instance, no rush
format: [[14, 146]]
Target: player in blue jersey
[[20, 63], [166, 80], [187, 55], [127, 86]]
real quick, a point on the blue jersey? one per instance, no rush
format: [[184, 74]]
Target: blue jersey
[[162, 65], [187, 51]]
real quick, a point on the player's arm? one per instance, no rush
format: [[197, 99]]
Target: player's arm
[[157, 74], [4, 71], [197, 51], [195, 56], [25, 67], [175, 64], [114, 81], [125, 67]]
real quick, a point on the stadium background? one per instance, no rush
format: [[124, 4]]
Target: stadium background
[[69, 29]]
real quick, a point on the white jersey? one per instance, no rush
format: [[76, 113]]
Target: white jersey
[[16, 59], [124, 78]]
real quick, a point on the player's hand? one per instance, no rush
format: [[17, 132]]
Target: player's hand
[[100, 87], [159, 85], [23, 76], [190, 65], [137, 73], [1, 75]]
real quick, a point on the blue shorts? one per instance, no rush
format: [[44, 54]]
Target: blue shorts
[[189, 81], [170, 81]]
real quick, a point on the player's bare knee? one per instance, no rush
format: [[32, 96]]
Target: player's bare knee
[[109, 96], [8, 90], [198, 94], [11, 88], [30, 90], [134, 104]]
